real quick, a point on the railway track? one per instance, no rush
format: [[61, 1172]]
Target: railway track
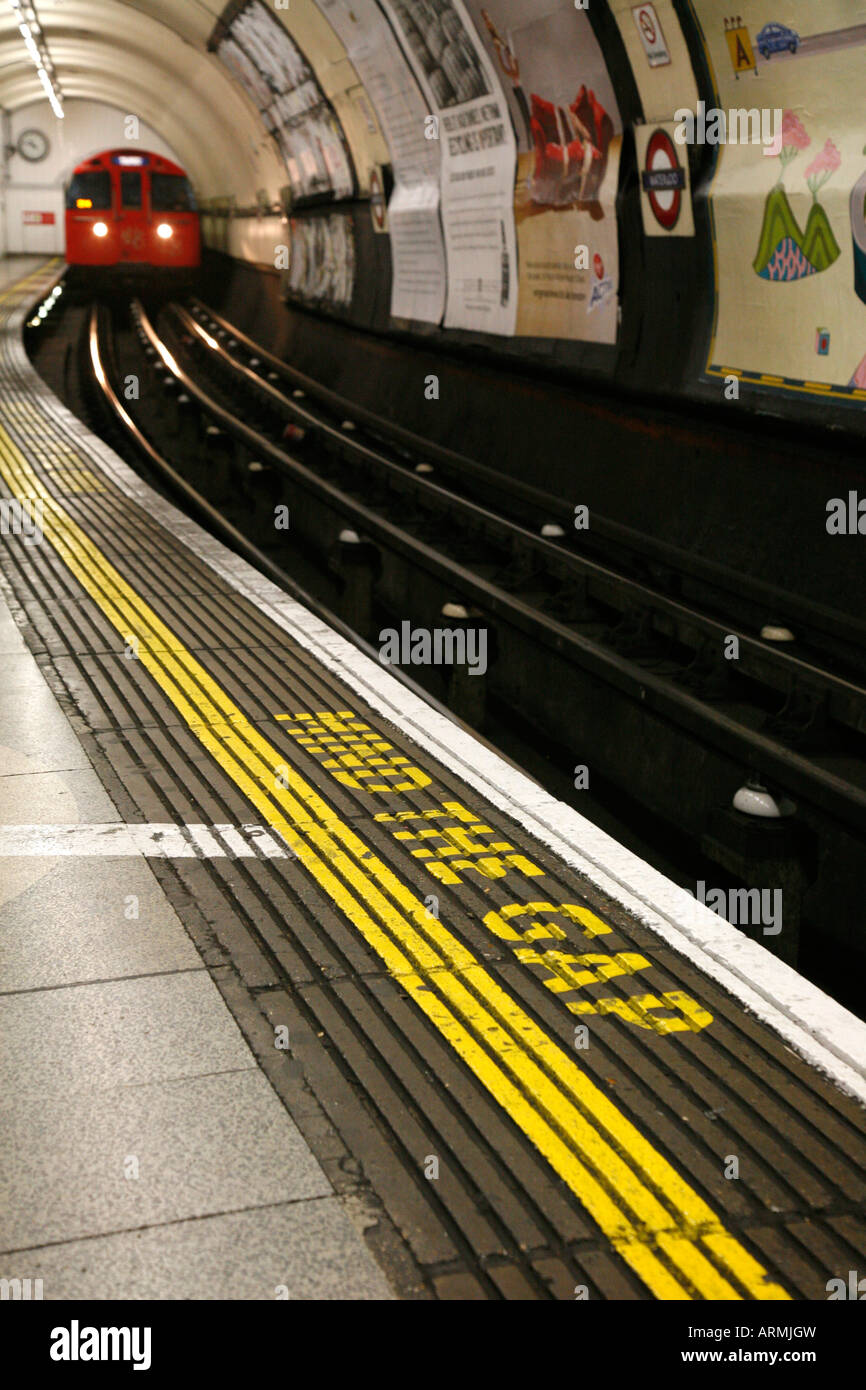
[[524, 560], [633, 659], [837, 639]]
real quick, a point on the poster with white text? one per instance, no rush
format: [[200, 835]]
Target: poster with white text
[[322, 259], [417, 248], [477, 149], [261, 53]]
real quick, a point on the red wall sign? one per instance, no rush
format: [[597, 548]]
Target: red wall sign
[[38, 219]]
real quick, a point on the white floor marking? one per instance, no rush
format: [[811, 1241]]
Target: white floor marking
[[116, 839]]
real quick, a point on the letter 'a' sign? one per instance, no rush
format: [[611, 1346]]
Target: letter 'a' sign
[[740, 49], [650, 31]]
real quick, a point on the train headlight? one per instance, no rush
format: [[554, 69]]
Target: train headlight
[[100, 229], [165, 231]]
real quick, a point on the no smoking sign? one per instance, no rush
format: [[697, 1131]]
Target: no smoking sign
[[652, 38]]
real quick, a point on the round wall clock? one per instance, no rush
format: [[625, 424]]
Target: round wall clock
[[33, 145]]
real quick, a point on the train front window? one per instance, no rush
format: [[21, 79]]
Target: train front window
[[171, 193], [90, 191], [130, 190]]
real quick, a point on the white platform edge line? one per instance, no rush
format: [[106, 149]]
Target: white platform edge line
[[823, 1032]]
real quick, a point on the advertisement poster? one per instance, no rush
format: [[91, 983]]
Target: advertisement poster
[[247, 74], [322, 259], [789, 217], [272, 69], [417, 249], [315, 155], [569, 136], [477, 152]]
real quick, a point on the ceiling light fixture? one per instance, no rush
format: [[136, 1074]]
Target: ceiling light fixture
[[34, 41]]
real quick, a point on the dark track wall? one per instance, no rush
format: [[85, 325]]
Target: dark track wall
[[740, 493]]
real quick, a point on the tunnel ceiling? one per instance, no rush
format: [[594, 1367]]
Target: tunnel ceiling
[[148, 58]]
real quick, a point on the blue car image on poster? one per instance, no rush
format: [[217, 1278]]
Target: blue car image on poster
[[777, 38]]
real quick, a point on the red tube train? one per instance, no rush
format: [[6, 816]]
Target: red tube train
[[132, 212]]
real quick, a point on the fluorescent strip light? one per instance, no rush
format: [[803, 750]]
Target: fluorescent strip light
[[37, 51]]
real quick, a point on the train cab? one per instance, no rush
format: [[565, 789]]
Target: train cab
[[132, 211]]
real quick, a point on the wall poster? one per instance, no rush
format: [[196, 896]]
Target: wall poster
[[569, 136], [417, 249], [322, 261], [789, 216], [477, 153], [259, 51]]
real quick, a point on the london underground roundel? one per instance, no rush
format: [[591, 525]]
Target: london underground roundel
[[378, 206], [663, 179]]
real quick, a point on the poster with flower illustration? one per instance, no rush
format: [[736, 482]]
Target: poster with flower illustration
[[788, 222], [787, 251]]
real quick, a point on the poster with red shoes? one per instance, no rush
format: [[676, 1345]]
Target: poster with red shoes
[[569, 135]]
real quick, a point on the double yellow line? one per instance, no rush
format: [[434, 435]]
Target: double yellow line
[[15, 291], [669, 1237]]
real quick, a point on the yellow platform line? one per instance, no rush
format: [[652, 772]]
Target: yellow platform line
[[803, 387], [21, 285], [650, 1215]]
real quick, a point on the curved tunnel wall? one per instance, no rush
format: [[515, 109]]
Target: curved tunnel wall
[[551, 218], [148, 58], [555, 217]]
